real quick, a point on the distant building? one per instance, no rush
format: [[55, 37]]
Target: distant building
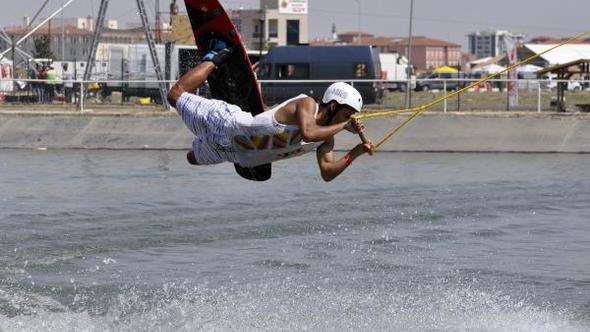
[[429, 53], [278, 23], [384, 44], [83, 23], [490, 43], [71, 43], [74, 45], [352, 37], [124, 36]]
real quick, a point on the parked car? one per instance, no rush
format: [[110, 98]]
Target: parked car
[[571, 85], [435, 81], [329, 63]]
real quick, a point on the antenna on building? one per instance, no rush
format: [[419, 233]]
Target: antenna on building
[[334, 33]]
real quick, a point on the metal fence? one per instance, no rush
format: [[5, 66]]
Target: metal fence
[[534, 95]]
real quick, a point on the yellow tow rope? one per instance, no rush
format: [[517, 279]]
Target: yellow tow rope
[[416, 111]]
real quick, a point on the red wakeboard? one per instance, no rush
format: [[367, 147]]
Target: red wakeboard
[[233, 82]]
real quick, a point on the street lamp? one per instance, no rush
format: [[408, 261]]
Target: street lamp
[[409, 55], [359, 16]]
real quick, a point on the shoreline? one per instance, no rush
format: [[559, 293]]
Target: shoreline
[[452, 132]]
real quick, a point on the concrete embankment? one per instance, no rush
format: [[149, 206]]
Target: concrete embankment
[[434, 132]]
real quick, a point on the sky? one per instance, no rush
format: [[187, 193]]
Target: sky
[[449, 20]]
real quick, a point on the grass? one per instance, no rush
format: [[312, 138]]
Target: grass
[[488, 101]]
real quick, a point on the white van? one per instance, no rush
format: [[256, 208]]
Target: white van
[[394, 70], [571, 85]]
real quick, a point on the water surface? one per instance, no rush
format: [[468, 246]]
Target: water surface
[[139, 240]]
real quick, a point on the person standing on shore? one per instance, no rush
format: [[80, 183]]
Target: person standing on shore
[[51, 83], [42, 85], [32, 74], [68, 79]]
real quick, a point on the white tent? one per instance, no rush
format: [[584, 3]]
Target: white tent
[[528, 69], [563, 54], [480, 61], [490, 69]]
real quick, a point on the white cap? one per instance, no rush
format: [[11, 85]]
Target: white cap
[[344, 94]]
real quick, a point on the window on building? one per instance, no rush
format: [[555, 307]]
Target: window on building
[[295, 71], [293, 33], [273, 28], [257, 29]]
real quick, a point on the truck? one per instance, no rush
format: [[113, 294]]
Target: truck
[[394, 70], [116, 63]]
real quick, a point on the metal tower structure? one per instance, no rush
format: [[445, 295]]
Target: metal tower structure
[[152, 47], [149, 38]]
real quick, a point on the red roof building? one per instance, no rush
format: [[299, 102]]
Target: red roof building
[[353, 36], [76, 42], [429, 53]]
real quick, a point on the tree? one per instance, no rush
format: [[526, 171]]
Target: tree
[[43, 48]]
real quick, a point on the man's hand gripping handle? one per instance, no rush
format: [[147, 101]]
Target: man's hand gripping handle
[[360, 129]]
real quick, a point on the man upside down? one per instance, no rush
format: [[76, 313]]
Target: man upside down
[[225, 133]]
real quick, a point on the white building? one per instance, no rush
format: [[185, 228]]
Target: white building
[[83, 23], [277, 23], [490, 43]]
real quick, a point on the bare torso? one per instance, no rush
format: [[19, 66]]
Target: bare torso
[[288, 114]]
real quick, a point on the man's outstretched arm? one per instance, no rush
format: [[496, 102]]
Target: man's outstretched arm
[[332, 168], [191, 81]]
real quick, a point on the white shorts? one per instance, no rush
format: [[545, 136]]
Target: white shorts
[[226, 133], [213, 123]]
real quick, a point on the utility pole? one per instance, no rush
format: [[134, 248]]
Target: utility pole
[[360, 12], [13, 51], [262, 31], [409, 55], [63, 35], [158, 21], [49, 36]]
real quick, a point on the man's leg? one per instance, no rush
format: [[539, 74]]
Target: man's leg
[[218, 52], [191, 81]]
